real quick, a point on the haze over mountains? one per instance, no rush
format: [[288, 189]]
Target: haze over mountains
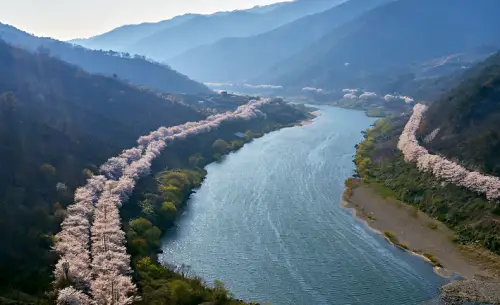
[[244, 58], [390, 38], [375, 44], [120, 38], [134, 69], [170, 38]]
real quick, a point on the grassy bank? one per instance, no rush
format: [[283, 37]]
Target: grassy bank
[[422, 207], [379, 163], [159, 199]]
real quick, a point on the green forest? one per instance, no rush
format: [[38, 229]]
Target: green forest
[[154, 207], [471, 216], [65, 110], [58, 123]]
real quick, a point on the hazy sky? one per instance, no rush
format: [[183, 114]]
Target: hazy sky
[[66, 19]]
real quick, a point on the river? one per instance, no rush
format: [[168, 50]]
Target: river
[[267, 222]]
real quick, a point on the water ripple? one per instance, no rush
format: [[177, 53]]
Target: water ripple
[[267, 222]]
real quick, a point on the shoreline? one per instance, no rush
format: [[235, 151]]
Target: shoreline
[[438, 270], [310, 120], [418, 234]]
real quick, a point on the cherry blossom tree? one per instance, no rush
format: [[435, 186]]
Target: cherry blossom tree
[[439, 166], [93, 257]]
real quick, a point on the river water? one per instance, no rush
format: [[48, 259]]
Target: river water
[[267, 222]]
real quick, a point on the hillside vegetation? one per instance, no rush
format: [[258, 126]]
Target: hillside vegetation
[[463, 126], [57, 123], [130, 68], [472, 216], [387, 39], [466, 120], [159, 199]]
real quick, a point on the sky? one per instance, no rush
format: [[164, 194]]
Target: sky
[[68, 19]]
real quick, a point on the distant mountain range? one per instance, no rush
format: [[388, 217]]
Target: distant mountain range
[[388, 39], [245, 58], [118, 39], [171, 38], [325, 44], [135, 69]]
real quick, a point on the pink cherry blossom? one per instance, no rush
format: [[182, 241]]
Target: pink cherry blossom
[[91, 244], [439, 166]]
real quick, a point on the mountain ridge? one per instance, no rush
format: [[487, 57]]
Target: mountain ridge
[[135, 69], [244, 58], [366, 46], [203, 29], [118, 38]]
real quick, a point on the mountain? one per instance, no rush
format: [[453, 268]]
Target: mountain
[[243, 58], [262, 9], [430, 80], [463, 125], [205, 29], [135, 69], [387, 39], [118, 39], [122, 37], [467, 119], [57, 123]]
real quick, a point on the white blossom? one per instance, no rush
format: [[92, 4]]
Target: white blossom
[[440, 167], [91, 244]]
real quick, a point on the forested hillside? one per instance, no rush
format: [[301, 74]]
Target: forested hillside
[[57, 124], [465, 123], [429, 80], [130, 68], [387, 39], [244, 58]]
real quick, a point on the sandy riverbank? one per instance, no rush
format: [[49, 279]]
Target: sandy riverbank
[[309, 121], [422, 235]]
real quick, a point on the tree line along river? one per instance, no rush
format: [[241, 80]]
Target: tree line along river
[[267, 222]]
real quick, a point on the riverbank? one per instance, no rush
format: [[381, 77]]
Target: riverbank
[[292, 243], [414, 231], [311, 116], [159, 199]]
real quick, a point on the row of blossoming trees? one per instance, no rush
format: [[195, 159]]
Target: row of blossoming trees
[[440, 167], [94, 267]]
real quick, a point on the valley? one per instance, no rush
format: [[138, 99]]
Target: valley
[[296, 152], [292, 243]]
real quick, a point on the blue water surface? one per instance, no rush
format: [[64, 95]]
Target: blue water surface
[[268, 223]]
